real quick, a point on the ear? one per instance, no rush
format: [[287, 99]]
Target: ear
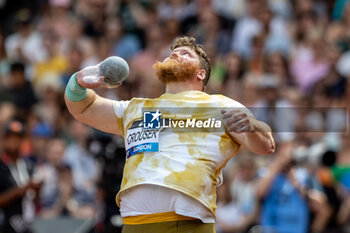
[[201, 75]]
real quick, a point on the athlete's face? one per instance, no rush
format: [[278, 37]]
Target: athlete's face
[[181, 65], [184, 54]]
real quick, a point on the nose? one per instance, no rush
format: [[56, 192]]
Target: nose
[[174, 55]]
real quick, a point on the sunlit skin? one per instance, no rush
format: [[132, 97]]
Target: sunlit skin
[[181, 71], [184, 54]]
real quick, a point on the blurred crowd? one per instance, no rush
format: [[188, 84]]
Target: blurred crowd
[[288, 60]]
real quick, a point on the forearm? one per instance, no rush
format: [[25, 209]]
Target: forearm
[[318, 205], [9, 196], [76, 108], [264, 184], [321, 219], [259, 138], [344, 212], [78, 98], [260, 142]]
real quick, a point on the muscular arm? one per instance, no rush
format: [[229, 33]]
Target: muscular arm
[[254, 135], [94, 110], [259, 140]]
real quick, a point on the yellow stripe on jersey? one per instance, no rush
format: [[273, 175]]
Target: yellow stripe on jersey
[[154, 218]]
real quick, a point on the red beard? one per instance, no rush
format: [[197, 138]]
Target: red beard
[[172, 70]]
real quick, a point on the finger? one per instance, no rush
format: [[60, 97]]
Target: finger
[[226, 114], [94, 83], [236, 118], [239, 124], [229, 114], [240, 114], [101, 79], [106, 85], [243, 129], [229, 121], [235, 113], [226, 111], [236, 128], [91, 85]]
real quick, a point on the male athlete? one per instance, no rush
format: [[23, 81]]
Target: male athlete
[[169, 185]]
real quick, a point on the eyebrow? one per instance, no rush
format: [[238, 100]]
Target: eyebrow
[[185, 49]]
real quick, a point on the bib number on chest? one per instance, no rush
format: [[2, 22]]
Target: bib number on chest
[[139, 140]]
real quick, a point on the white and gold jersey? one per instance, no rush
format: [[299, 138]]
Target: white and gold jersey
[[188, 161]]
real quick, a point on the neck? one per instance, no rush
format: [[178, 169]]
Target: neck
[[180, 86]]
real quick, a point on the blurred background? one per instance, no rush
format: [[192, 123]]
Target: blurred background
[[288, 60]]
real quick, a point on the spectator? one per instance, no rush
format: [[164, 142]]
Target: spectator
[[57, 18], [49, 107], [57, 193], [309, 63], [75, 58], [225, 222], [342, 66], [26, 43], [232, 84], [50, 70], [259, 20], [278, 65], [230, 9], [4, 63], [256, 60], [40, 135], [330, 187], [334, 84], [93, 14], [282, 8], [7, 112], [110, 152], [275, 109], [123, 44], [210, 29], [289, 196], [20, 91], [141, 71], [77, 40], [274, 29], [84, 169], [237, 211], [17, 186], [341, 172], [173, 9]]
